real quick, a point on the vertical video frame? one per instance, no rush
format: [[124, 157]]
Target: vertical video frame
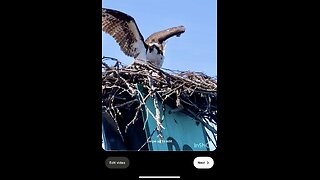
[[150, 102]]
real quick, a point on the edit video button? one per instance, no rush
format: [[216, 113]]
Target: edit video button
[[117, 162]]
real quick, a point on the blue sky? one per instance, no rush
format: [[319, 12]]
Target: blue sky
[[194, 50]]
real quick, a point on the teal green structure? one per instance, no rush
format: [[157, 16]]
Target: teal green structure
[[181, 132]]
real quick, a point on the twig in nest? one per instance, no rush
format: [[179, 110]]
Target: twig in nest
[[154, 130], [113, 121], [157, 109], [138, 109], [126, 103], [202, 122]]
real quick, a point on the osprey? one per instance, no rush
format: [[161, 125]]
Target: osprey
[[125, 31]]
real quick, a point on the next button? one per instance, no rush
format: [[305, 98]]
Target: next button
[[203, 162]]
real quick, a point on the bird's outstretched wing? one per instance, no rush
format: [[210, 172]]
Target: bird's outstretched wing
[[124, 30], [161, 36]]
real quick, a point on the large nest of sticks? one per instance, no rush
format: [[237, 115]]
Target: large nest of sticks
[[192, 93]]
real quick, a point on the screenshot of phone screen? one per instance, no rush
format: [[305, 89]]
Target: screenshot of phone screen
[[159, 76]]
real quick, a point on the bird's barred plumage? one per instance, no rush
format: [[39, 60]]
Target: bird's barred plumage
[[122, 28], [125, 31]]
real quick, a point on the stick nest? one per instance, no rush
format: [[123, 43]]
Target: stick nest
[[192, 93]]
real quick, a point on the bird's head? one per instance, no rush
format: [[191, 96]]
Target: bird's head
[[158, 48]]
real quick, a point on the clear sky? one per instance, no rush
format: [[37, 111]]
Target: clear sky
[[194, 50]]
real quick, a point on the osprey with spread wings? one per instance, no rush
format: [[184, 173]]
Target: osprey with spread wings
[[125, 31]]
